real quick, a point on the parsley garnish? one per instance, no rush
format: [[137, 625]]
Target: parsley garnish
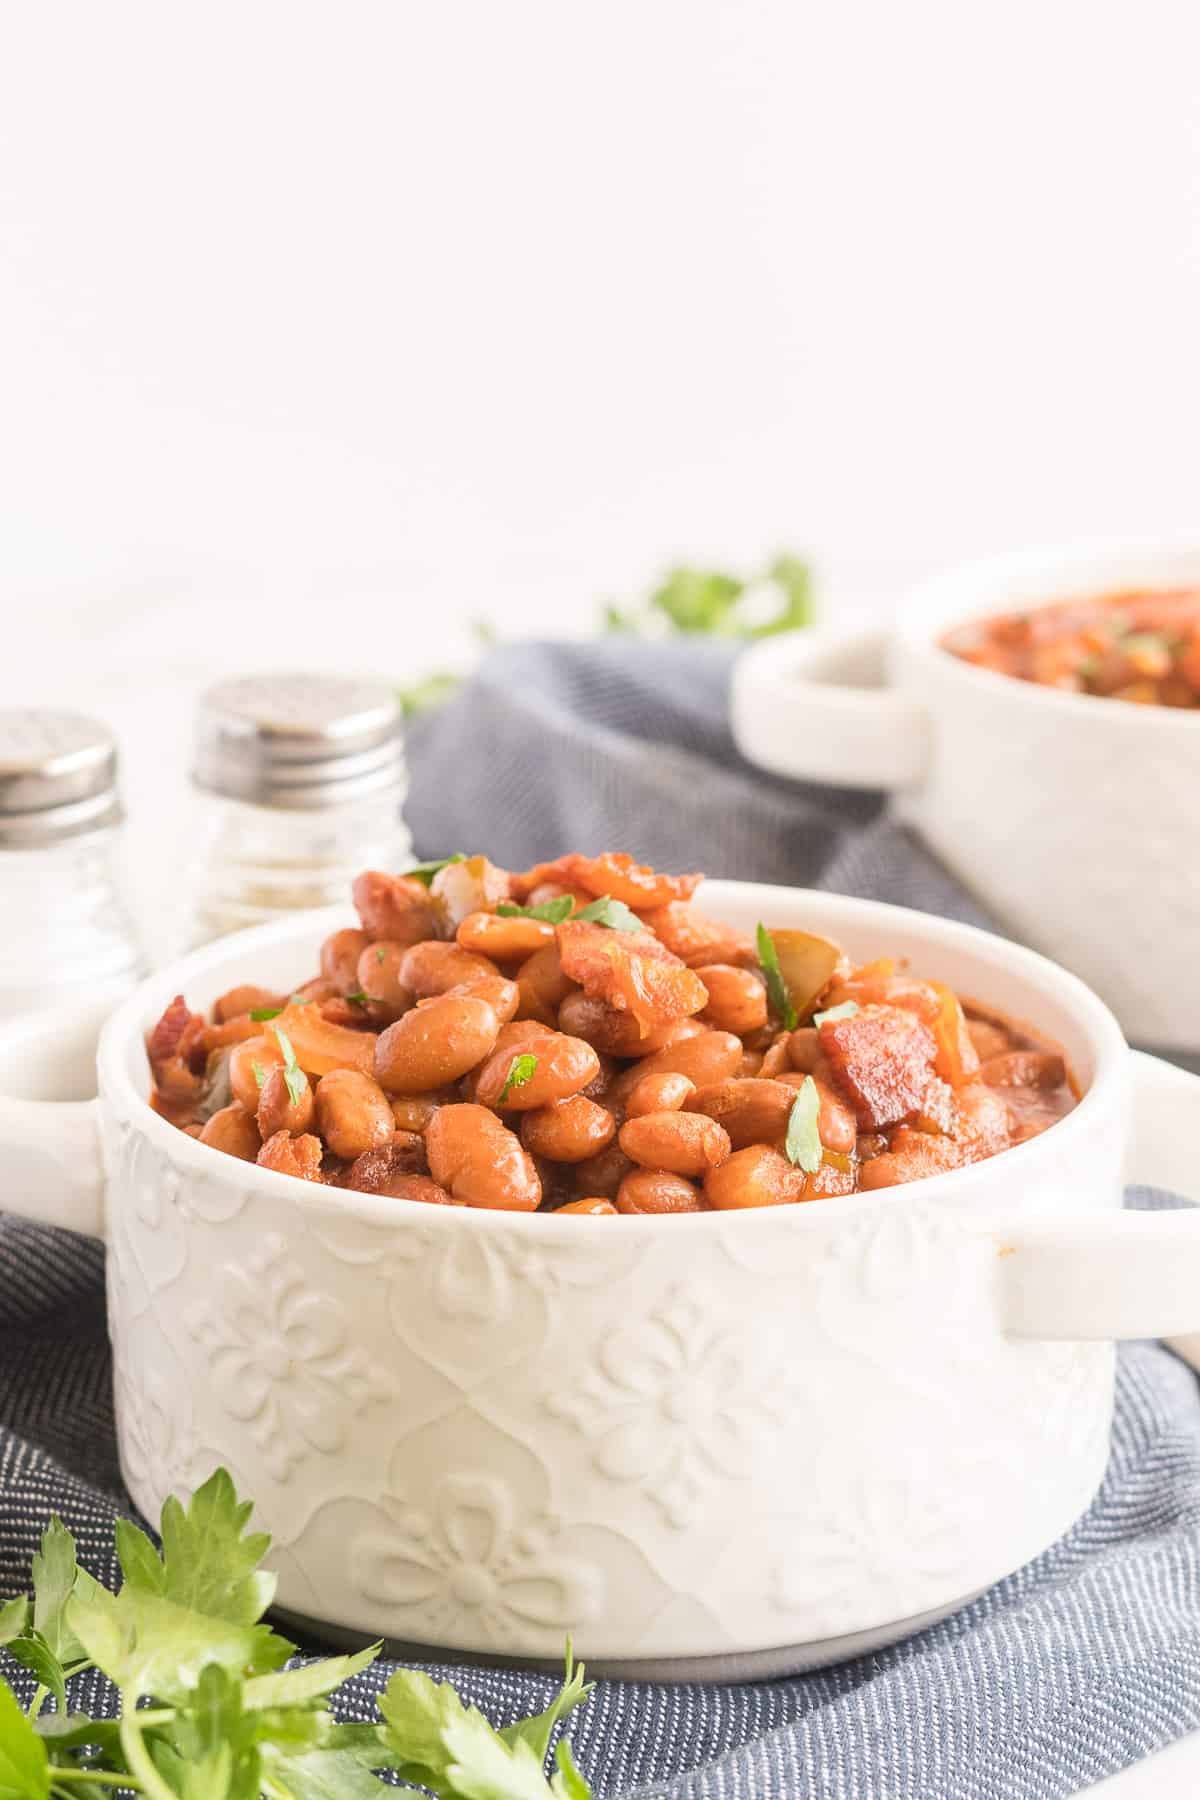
[[260, 1074], [781, 1000], [426, 871], [359, 999], [520, 1070], [261, 1013], [846, 1010], [294, 1077], [380, 956], [803, 1140], [613, 913], [185, 1631], [553, 911]]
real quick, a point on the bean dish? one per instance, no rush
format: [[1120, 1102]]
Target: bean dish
[[581, 1038], [1139, 645]]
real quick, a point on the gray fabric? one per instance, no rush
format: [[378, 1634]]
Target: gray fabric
[[1082, 1662]]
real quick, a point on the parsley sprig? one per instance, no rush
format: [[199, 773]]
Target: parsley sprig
[[520, 1070], [613, 913], [553, 911], [803, 1143], [294, 1078], [781, 1000], [426, 871], [208, 1710]]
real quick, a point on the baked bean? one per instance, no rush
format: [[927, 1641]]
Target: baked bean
[[568, 1130], [684, 1143], [321, 1045], [1024, 1068], [378, 976], [396, 907], [775, 1059], [751, 1064], [593, 1205], [804, 1049], [288, 1155], [412, 1112], [316, 990], [257, 1055], [501, 995], [657, 1191], [603, 1174], [598, 1087], [706, 1057], [752, 1111], [558, 890], [989, 1040], [737, 998], [618, 1033], [543, 986], [504, 940], [413, 1187], [233, 1031], [462, 888], [660, 1093], [480, 1161], [340, 954], [353, 1113], [277, 1111], [234, 1131], [513, 1037], [837, 1126], [754, 1176], [434, 968], [357, 1015], [565, 1065], [435, 1044], [400, 1159], [244, 999]]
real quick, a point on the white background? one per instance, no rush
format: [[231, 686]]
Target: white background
[[326, 328]]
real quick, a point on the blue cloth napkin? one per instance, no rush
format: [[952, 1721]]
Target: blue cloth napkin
[[1077, 1665]]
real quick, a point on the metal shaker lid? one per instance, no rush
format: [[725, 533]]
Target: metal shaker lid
[[58, 777], [298, 741]]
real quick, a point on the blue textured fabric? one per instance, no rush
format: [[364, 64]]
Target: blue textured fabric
[[1078, 1664]]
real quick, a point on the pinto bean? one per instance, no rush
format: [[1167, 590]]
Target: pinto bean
[[660, 1093], [618, 1033], [340, 955], [754, 1176], [288, 1155], [277, 1111], [480, 1161], [505, 940], [683, 1143], [501, 995], [565, 1065], [434, 968], [568, 1130], [435, 1044], [1024, 1068], [706, 1057], [353, 1113], [395, 907], [804, 1049], [737, 998], [233, 1130], [412, 1187], [378, 975], [246, 1061], [657, 1191], [543, 986], [594, 1206], [837, 1126], [752, 1111], [603, 1174], [412, 1112], [775, 1058], [244, 999]]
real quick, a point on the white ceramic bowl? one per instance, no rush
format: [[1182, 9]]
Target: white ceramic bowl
[[1073, 819], [720, 1444]]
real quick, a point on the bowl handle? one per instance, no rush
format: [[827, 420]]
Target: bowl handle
[[816, 705], [1120, 1274], [51, 1168]]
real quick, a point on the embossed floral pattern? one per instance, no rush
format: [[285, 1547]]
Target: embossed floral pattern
[[158, 1448], [279, 1359], [677, 1403], [470, 1565]]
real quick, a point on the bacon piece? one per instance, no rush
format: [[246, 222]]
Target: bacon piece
[[882, 1059], [631, 972], [613, 874], [697, 940], [957, 1058]]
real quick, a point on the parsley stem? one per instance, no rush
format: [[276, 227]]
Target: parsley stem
[[35, 1705], [133, 1744], [97, 1777]]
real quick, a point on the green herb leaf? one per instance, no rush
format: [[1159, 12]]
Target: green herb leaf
[[261, 1013], [297, 1687], [780, 999], [14, 1616], [537, 1731], [423, 696], [34, 1653], [359, 999], [553, 911], [613, 913], [54, 1572], [520, 1070], [327, 1775], [846, 1010], [568, 1783], [24, 1764], [295, 1080], [803, 1144], [426, 871], [260, 1074], [380, 956]]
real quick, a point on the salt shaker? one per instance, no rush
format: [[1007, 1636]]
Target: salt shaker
[[300, 782], [66, 935]]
